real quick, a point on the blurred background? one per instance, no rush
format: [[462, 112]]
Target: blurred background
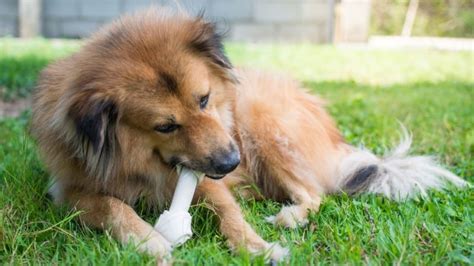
[[377, 62], [317, 21], [313, 40]]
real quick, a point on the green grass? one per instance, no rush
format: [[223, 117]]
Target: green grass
[[21, 61], [431, 92]]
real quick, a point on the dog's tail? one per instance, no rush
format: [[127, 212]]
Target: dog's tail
[[397, 175]]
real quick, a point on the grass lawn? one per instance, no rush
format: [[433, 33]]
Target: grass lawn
[[431, 92]]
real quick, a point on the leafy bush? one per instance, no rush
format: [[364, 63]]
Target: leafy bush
[[448, 18]]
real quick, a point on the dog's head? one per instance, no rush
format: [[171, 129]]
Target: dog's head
[[158, 85]]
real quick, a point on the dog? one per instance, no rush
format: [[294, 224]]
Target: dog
[[154, 90]]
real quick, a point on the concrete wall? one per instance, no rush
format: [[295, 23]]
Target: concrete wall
[[246, 20], [8, 17], [352, 18]]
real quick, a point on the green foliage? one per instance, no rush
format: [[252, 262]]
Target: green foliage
[[19, 75], [21, 62], [447, 18], [430, 92]]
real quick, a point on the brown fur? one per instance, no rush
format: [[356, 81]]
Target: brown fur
[[94, 116]]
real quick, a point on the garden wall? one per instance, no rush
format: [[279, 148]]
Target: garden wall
[[245, 20]]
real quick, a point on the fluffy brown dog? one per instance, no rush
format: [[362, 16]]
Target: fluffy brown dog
[[153, 90]]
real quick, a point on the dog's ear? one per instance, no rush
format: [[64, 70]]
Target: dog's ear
[[94, 117], [208, 42]]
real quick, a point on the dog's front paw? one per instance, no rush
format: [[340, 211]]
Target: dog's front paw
[[270, 251], [275, 252], [155, 245], [290, 217]]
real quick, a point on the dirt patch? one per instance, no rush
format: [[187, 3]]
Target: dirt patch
[[14, 108]]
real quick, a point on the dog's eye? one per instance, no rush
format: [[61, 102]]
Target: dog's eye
[[166, 128], [203, 101]]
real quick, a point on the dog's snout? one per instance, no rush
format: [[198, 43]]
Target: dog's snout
[[226, 162]]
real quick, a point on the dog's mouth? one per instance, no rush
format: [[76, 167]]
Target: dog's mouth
[[215, 176], [176, 161]]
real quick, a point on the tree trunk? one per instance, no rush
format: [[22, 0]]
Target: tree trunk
[[410, 18]]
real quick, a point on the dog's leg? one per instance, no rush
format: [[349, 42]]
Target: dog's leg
[[304, 200], [109, 213], [282, 177], [241, 186], [284, 170], [232, 224]]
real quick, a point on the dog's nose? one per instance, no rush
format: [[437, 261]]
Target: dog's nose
[[227, 162]]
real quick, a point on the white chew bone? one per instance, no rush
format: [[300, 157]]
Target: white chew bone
[[175, 224]]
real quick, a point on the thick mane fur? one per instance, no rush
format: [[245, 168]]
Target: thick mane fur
[[94, 93]]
